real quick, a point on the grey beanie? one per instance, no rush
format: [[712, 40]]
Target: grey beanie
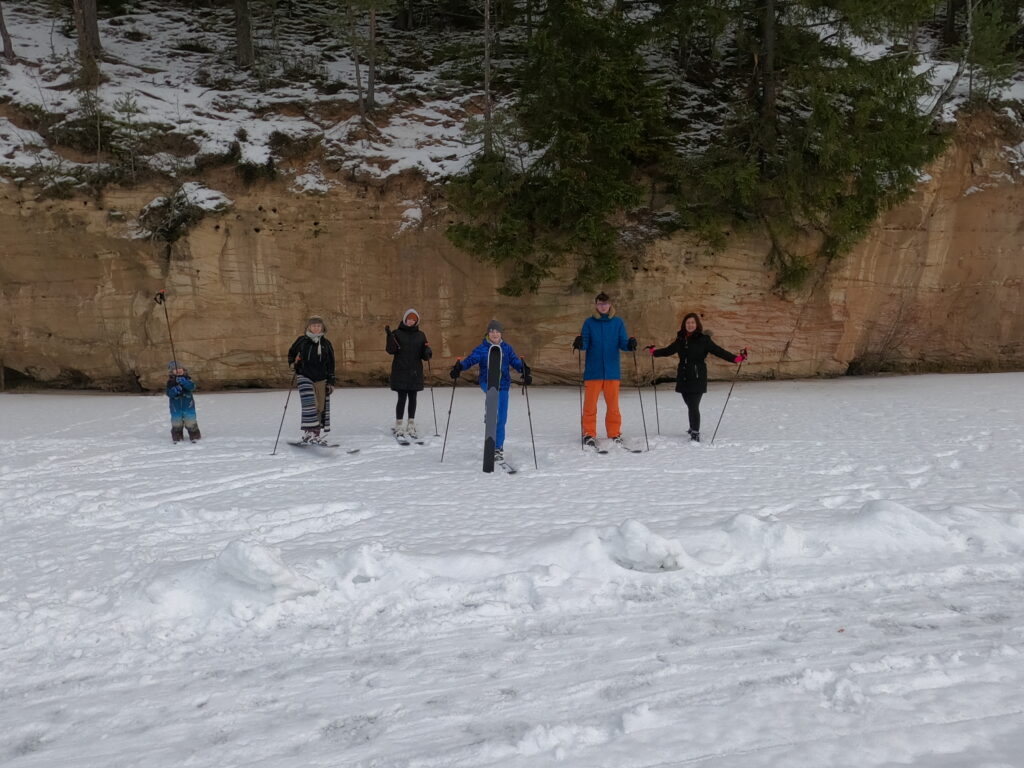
[[316, 319], [494, 325]]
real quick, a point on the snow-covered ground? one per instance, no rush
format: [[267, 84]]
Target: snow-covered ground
[[837, 581]]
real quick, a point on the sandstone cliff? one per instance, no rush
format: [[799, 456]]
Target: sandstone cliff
[[936, 285]]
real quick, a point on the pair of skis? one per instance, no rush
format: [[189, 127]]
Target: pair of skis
[[300, 444], [600, 449], [404, 439]]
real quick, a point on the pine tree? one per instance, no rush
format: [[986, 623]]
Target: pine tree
[[823, 135], [591, 119]]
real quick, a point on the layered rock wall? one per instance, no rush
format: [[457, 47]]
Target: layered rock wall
[[935, 285]]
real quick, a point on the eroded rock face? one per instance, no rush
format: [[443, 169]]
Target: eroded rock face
[[936, 285]]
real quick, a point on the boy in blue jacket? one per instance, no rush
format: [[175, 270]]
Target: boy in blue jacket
[[509, 358], [183, 406]]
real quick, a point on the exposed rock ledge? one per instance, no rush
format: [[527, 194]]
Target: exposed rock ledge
[[936, 285]]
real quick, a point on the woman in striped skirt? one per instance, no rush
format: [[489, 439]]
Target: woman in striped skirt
[[312, 357]]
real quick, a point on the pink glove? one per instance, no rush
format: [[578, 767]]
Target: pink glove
[[650, 349], [741, 356]]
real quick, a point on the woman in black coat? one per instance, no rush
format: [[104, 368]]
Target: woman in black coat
[[693, 346], [312, 357], [409, 347]]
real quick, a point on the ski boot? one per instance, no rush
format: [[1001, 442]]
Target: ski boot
[[410, 430]]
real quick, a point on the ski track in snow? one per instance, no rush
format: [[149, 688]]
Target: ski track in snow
[[836, 582]]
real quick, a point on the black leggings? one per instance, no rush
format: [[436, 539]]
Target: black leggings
[[692, 400], [400, 407]]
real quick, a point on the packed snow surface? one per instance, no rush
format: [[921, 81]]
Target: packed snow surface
[[837, 581]]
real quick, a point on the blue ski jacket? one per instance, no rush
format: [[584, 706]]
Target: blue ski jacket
[[603, 337], [508, 358], [179, 392]]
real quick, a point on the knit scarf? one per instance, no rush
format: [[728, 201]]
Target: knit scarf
[[315, 337]]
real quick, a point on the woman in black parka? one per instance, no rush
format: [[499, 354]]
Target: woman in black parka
[[693, 345], [410, 348], [312, 357]]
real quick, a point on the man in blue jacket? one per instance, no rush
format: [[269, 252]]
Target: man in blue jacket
[[602, 338]]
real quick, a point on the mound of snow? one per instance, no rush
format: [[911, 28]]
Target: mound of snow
[[632, 545], [262, 568], [881, 527], [244, 577]]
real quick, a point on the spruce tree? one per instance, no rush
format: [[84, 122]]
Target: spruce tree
[[825, 130], [590, 118]]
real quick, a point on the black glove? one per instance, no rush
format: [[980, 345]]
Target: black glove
[[527, 375], [427, 352], [456, 370], [328, 389], [631, 344], [577, 343]]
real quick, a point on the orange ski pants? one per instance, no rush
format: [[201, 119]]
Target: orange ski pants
[[613, 417]]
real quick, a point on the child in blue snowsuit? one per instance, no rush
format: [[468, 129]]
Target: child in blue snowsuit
[[509, 358], [183, 407]]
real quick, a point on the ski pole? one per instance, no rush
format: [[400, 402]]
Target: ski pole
[[433, 405], [636, 369], [450, 404], [529, 417], [579, 367], [161, 299], [654, 384], [285, 411], [735, 376]]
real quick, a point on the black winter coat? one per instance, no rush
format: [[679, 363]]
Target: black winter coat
[[315, 365], [692, 374], [409, 346]]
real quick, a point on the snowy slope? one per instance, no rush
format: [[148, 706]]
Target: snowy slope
[[836, 582]]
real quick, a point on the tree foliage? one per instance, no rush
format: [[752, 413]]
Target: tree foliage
[[795, 116], [591, 119]]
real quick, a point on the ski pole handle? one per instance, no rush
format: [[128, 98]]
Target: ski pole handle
[[161, 296]]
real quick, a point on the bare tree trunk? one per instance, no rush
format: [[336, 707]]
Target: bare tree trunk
[[404, 18], [769, 86], [89, 48], [949, 34], [245, 56], [359, 71], [371, 65], [8, 46], [947, 92], [488, 122]]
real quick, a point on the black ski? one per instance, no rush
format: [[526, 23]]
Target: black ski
[[491, 405], [595, 448], [507, 467], [400, 439]]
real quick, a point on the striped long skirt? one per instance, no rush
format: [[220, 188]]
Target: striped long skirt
[[316, 405]]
